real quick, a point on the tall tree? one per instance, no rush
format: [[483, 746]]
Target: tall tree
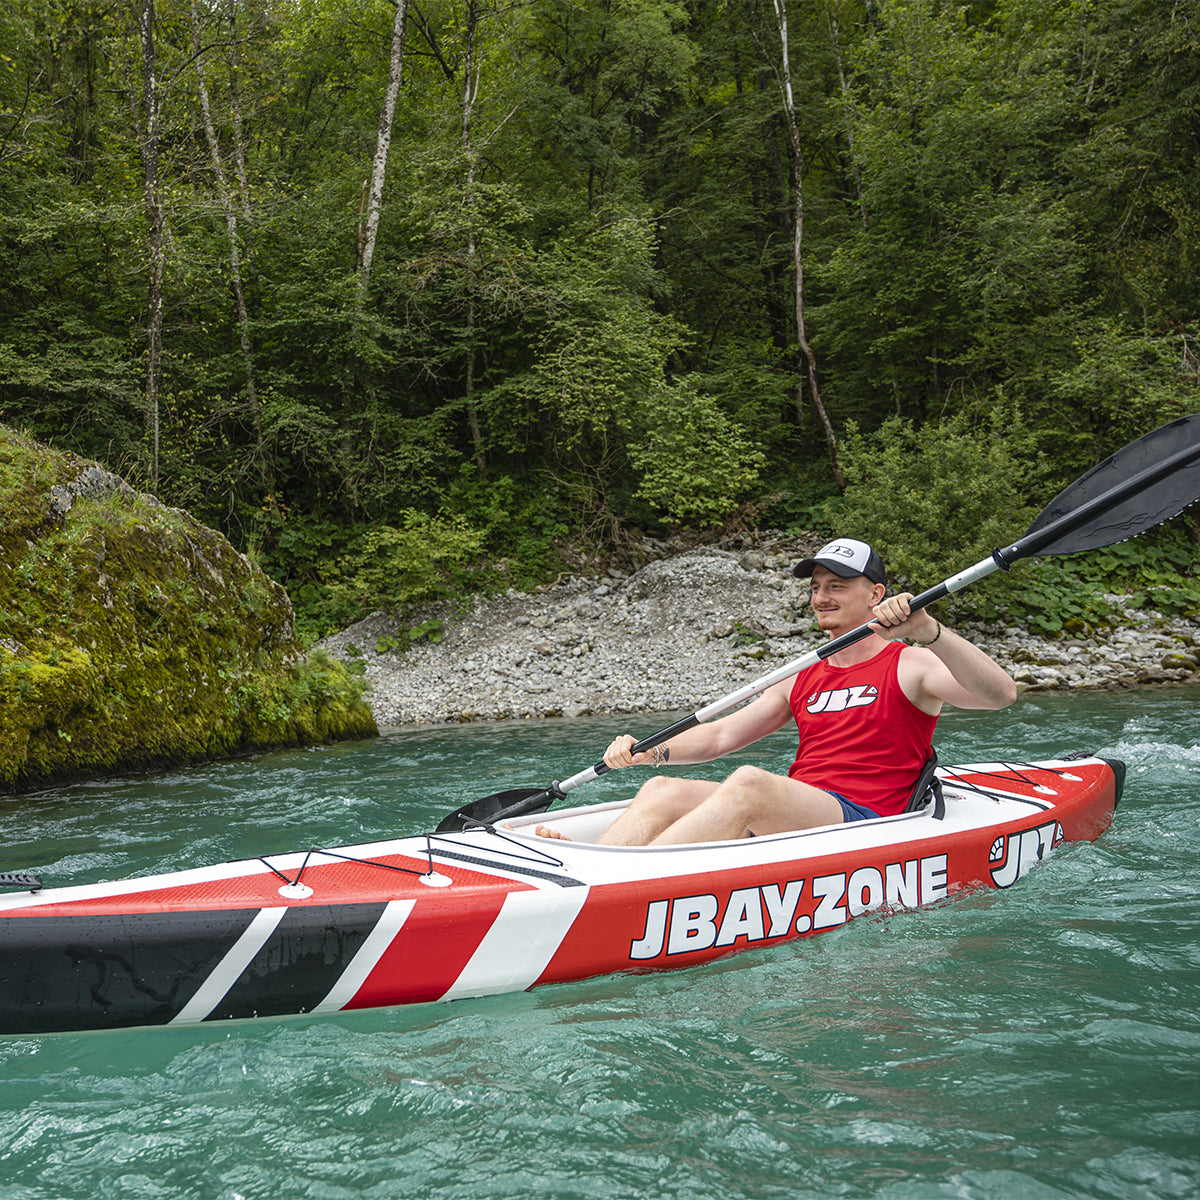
[[228, 208], [369, 229], [809, 356], [146, 100], [470, 74], [461, 51]]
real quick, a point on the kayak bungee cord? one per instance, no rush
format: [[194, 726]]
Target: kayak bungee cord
[[1015, 775], [524, 851], [365, 862]]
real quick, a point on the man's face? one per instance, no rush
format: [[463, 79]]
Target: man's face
[[843, 603]]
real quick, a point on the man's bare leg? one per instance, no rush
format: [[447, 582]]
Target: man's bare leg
[[673, 812], [752, 801], [660, 802]]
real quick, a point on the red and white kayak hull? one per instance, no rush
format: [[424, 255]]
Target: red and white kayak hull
[[484, 911]]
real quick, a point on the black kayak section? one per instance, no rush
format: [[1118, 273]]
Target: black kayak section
[[60, 973]]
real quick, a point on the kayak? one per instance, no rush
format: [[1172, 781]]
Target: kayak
[[495, 908]]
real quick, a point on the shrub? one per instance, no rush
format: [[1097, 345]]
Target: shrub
[[390, 567], [938, 499]]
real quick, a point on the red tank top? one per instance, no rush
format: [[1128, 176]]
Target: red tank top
[[860, 735]]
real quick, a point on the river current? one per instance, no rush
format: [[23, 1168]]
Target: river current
[[1039, 1043]]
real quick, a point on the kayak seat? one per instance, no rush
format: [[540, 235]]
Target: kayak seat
[[928, 790]]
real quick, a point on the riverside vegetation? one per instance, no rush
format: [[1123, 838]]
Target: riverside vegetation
[[409, 300], [132, 636], [421, 303]]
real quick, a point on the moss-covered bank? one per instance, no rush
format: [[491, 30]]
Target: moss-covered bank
[[131, 636]]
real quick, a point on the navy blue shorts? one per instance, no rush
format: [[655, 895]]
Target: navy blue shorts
[[852, 811]]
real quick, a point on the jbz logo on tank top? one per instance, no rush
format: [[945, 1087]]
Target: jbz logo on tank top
[[839, 699]]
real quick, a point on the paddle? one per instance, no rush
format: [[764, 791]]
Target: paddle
[[1145, 483]]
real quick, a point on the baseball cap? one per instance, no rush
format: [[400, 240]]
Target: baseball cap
[[845, 557]]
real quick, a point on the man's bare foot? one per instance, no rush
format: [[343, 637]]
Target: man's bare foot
[[543, 831]]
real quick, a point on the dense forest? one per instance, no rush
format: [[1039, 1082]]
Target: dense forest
[[409, 298]]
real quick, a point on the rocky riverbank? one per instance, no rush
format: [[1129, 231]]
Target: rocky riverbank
[[685, 627]]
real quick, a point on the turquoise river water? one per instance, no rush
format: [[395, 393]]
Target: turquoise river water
[[1038, 1043]]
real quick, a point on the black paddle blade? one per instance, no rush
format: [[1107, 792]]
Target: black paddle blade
[[1148, 505], [499, 806]]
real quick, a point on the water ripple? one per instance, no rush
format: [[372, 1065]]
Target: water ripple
[[1043, 1042]]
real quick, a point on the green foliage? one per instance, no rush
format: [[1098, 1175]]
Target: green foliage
[[1122, 384], [396, 566], [600, 345], [432, 630], [503, 534], [1050, 599], [580, 317], [696, 462], [743, 635], [938, 498], [523, 521], [315, 700], [1160, 572], [1080, 593], [965, 271]]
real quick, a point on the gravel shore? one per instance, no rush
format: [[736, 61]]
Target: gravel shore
[[679, 631]]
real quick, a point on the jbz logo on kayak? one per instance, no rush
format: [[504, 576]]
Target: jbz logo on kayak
[[1014, 854]]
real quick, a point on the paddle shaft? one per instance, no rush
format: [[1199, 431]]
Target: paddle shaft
[[1029, 545]]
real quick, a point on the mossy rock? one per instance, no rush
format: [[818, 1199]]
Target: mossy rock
[[132, 636]]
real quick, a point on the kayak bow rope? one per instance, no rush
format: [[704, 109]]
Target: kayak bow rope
[[1140, 486]]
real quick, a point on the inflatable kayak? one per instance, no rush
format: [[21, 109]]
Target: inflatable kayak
[[496, 909]]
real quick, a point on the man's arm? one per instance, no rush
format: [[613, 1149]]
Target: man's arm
[[943, 668], [710, 740]]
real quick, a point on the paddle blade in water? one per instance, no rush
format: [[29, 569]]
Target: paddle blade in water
[[1174, 447]]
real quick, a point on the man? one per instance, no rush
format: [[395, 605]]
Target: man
[[865, 716]]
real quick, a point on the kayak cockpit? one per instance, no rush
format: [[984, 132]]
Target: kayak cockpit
[[584, 825]]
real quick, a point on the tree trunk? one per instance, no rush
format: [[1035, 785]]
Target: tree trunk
[[149, 107], [835, 34], [473, 16], [235, 112], [383, 142], [231, 228], [470, 89], [810, 359]]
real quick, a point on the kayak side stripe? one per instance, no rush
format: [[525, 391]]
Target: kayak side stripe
[[297, 965], [355, 975], [239, 956], [429, 953], [101, 972], [523, 939], [515, 868]]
